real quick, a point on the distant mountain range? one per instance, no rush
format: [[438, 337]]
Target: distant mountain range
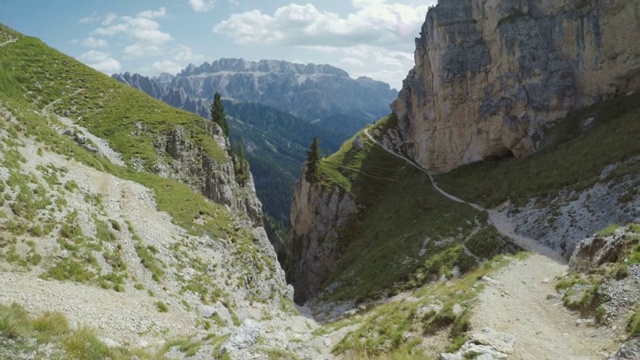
[[276, 108], [311, 92]]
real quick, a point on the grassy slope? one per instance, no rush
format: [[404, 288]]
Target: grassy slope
[[402, 211], [35, 75], [573, 160]]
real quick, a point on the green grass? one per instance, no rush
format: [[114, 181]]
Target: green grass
[[573, 160], [162, 307], [633, 326], [382, 329], [51, 330], [609, 230], [401, 215], [130, 120]]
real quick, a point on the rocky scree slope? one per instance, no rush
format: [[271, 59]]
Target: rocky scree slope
[[491, 75], [123, 214]]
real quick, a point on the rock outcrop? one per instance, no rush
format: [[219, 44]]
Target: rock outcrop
[[490, 74], [318, 214], [597, 250], [214, 178]]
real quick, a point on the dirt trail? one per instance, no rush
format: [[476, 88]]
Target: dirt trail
[[501, 223], [544, 329]]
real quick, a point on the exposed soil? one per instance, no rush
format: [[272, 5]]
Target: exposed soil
[[523, 303]]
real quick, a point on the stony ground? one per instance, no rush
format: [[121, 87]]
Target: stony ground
[[523, 302]]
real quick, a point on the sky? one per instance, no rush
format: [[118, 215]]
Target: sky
[[373, 38]]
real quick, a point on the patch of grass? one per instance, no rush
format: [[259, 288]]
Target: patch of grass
[[103, 232], [71, 186], [279, 354], [186, 346], [14, 321], [488, 242], [51, 330], [633, 325], [609, 230], [162, 307], [84, 344], [150, 262], [50, 325], [561, 164], [69, 269]]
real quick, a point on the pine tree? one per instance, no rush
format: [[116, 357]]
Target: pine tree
[[313, 157], [241, 164], [217, 114]]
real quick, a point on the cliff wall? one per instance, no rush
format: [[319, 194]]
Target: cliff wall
[[317, 216], [491, 74]]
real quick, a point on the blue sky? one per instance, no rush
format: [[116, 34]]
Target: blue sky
[[373, 38]]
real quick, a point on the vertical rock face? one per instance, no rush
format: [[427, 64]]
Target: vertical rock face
[[490, 74], [214, 178], [317, 216]]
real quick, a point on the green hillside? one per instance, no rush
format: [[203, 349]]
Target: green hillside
[[406, 233]]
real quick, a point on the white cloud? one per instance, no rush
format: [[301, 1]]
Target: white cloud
[[90, 19], [100, 61], [183, 53], [153, 14], [142, 32], [202, 5], [94, 43], [166, 66], [373, 22], [140, 50], [139, 29], [108, 19]]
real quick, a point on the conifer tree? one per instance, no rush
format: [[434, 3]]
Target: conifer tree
[[217, 114], [241, 164], [313, 157]]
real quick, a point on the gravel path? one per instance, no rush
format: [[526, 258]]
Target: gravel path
[[517, 304]]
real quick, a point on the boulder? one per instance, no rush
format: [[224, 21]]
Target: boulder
[[595, 251]]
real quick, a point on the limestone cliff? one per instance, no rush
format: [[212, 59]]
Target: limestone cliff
[[490, 74], [317, 216], [214, 178]]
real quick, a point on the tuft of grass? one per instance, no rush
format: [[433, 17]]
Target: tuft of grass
[[14, 321], [83, 344], [633, 325], [162, 307], [149, 261], [609, 230], [186, 346], [50, 325]]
